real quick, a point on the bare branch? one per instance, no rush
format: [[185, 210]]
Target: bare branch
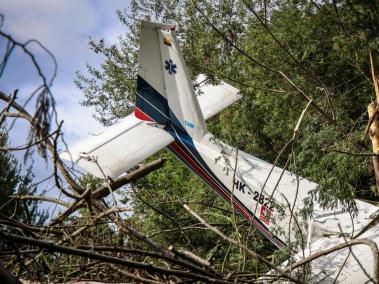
[[50, 246], [247, 250], [142, 171], [24, 114], [370, 243], [6, 109], [330, 119], [41, 198]]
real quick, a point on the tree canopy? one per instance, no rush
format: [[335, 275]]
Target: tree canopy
[[279, 54], [290, 59], [14, 183]]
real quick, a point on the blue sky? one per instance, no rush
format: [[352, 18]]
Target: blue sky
[[64, 27]]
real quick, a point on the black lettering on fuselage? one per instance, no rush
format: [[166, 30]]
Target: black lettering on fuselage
[[239, 185]]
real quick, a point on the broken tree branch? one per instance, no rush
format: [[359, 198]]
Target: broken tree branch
[[50, 246], [373, 128], [370, 243], [247, 250]]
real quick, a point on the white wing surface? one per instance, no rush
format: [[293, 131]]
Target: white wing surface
[[119, 148], [213, 99], [130, 141]]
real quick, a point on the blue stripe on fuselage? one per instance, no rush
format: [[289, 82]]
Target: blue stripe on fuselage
[[156, 106]]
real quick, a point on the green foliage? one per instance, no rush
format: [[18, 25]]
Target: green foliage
[[13, 182], [158, 212], [322, 47]]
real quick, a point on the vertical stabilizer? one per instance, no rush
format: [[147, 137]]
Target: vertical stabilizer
[[179, 89], [164, 88], [151, 100]]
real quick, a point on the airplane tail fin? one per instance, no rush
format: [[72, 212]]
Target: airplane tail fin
[[164, 88], [165, 96]]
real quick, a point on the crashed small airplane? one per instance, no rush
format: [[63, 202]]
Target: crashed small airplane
[[169, 114]]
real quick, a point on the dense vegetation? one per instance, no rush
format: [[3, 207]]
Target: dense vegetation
[[277, 53], [14, 183], [322, 47]]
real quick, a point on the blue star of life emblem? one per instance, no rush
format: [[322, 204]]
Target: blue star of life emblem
[[170, 66]]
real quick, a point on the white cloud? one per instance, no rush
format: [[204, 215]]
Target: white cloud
[[78, 121], [60, 25], [64, 27]]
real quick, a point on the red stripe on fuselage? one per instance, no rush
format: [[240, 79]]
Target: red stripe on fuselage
[[198, 169], [141, 115], [206, 177]]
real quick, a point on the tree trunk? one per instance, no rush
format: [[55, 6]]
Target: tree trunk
[[374, 136]]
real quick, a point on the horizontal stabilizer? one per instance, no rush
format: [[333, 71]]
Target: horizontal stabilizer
[[213, 99], [119, 148], [130, 141]]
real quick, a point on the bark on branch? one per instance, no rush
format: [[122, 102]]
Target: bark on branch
[[247, 250], [142, 171], [110, 259], [370, 243], [103, 191], [373, 128]]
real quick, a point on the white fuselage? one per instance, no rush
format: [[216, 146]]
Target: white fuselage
[[271, 198]]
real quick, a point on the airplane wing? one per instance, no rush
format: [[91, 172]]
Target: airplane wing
[[119, 148], [130, 141]]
